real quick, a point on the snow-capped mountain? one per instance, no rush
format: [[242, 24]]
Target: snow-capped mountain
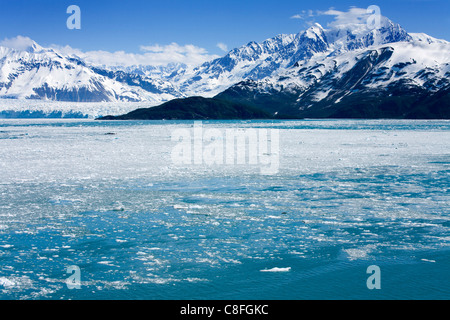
[[374, 81], [256, 61], [316, 72], [38, 73]]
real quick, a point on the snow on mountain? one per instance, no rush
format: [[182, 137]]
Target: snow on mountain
[[316, 66], [415, 62], [256, 61], [422, 37], [252, 61], [39, 73], [354, 67], [399, 73]]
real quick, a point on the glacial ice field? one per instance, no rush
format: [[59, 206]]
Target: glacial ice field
[[108, 198]]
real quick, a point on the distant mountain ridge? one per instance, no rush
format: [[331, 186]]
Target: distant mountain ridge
[[195, 108], [376, 83], [341, 71]]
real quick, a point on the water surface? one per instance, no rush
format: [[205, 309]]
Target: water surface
[[106, 197]]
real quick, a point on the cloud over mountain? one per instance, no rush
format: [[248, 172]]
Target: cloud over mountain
[[153, 55]]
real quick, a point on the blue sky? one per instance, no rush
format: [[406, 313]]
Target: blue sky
[[131, 25]]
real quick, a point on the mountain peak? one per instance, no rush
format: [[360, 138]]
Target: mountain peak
[[34, 48], [317, 26], [316, 31]]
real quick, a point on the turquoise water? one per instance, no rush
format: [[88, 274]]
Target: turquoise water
[[106, 197]]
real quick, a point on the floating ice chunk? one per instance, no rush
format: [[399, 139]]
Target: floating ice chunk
[[355, 254], [288, 269], [5, 282], [118, 207], [196, 280]]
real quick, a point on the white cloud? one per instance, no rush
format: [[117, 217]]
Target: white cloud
[[222, 46], [304, 15], [297, 16], [351, 17], [357, 19], [17, 43], [155, 55]]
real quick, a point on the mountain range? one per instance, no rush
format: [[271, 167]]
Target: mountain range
[[348, 71]]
